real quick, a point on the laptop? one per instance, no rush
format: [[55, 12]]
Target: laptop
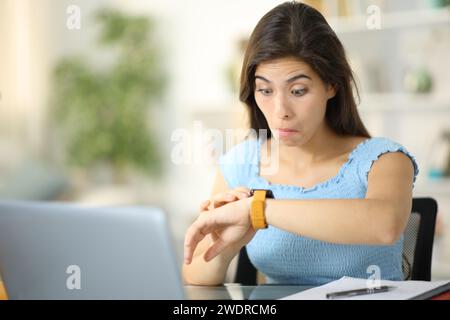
[[69, 251]]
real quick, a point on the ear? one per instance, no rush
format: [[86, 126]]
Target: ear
[[331, 90]]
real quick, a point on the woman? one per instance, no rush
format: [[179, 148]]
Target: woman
[[341, 198]]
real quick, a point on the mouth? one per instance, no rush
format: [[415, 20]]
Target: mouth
[[286, 132]]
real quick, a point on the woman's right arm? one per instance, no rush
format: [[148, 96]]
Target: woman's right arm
[[200, 272]]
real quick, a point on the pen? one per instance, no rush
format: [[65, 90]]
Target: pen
[[358, 292]]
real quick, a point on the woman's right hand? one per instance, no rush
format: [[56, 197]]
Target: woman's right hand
[[223, 198], [220, 199]]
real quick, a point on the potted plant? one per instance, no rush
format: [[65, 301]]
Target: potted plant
[[101, 114]]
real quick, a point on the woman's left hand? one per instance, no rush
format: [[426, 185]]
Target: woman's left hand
[[231, 224]]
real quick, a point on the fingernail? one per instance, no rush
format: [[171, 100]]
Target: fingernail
[[245, 194], [229, 197]]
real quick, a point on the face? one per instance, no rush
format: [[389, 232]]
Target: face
[[293, 99]]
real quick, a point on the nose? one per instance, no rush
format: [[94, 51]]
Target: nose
[[282, 110]]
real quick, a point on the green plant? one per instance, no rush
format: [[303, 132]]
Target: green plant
[[102, 114]]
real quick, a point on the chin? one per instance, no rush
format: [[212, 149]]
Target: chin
[[288, 142]]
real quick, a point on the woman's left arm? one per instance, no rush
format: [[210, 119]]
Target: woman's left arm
[[378, 219]]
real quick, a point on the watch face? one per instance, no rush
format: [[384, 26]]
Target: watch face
[[269, 193]]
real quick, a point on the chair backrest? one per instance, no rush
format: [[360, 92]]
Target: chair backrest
[[417, 246], [418, 240]]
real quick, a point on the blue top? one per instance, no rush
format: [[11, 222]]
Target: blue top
[[288, 258]]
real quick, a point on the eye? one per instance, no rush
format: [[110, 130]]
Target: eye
[[264, 92], [298, 92]]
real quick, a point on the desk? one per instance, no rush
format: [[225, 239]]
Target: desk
[[234, 291], [226, 292], [238, 292]]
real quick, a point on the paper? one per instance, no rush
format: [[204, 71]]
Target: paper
[[404, 289]]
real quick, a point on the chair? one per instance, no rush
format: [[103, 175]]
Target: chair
[[417, 246], [418, 240]]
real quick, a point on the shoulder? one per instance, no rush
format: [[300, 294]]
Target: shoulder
[[383, 153]]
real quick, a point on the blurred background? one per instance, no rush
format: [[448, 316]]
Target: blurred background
[[96, 95]]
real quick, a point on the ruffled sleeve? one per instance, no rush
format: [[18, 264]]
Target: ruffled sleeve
[[236, 164], [373, 149]]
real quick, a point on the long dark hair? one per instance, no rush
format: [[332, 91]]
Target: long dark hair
[[294, 29]]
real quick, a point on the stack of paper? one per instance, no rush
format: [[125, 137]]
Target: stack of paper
[[403, 289]]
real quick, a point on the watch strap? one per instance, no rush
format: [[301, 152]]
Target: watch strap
[[257, 209]]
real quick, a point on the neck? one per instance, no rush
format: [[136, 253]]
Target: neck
[[321, 146]]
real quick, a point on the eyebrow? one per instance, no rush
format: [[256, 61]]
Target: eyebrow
[[292, 79]]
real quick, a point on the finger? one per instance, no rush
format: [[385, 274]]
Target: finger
[[214, 236], [216, 199], [231, 195], [234, 195], [223, 198], [214, 250], [241, 194], [196, 233], [192, 238], [204, 205], [243, 189]]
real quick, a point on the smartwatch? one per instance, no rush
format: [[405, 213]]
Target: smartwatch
[[257, 207]]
